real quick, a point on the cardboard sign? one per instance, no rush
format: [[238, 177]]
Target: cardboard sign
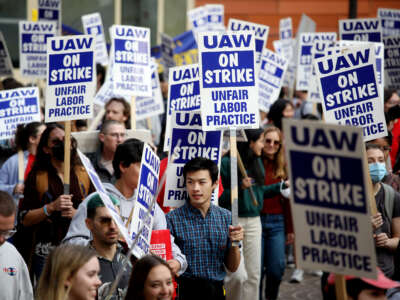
[[350, 92], [285, 29], [306, 25], [71, 78], [131, 69], [93, 25], [33, 38], [147, 107], [304, 58], [215, 17], [198, 18], [260, 33], [6, 68], [167, 54], [285, 49], [18, 106], [272, 70], [367, 30], [160, 244], [194, 142], [390, 21], [94, 178], [50, 10], [228, 85], [329, 204], [379, 60], [392, 62], [146, 191], [183, 94]]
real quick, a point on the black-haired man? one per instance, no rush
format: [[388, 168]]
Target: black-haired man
[[204, 233]]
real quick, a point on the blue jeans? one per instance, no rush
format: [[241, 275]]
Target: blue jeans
[[273, 254]]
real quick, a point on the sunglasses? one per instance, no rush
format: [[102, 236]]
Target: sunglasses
[[8, 233], [269, 141]]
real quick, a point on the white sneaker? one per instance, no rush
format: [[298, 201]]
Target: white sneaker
[[297, 276], [316, 273]]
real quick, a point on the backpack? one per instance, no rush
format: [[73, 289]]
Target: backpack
[[389, 200]]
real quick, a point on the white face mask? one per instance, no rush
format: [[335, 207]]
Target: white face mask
[[285, 192]]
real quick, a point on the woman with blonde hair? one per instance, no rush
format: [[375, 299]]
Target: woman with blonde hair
[[275, 215], [70, 273]]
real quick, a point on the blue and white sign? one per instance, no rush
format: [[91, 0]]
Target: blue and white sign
[[330, 205], [183, 94], [50, 10], [147, 107], [18, 106], [198, 18], [215, 17], [285, 29], [272, 71], [188, 141], [167, 54], [131, 60], [379, 59], [93, 25], [71, 78], [390, 21], [146, 191], [228, 85], [392, 62], [304, 58], [366, 30], [94, 178], [350, 91], [285, 49], [33, 38], [260, 33], [6, 68]]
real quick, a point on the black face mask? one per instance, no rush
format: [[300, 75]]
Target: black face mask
[[58, 151]]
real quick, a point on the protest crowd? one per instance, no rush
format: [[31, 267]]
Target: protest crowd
[[131, 174]]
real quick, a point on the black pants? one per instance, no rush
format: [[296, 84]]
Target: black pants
[[200, 289]]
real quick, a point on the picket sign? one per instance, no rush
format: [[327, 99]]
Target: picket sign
[[392, 62], [367, 30], [285, 28], [6, 68], [390, 21], [93, 25], [50, 10]]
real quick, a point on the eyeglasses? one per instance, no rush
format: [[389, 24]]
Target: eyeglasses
[[269, 141], [117, 135], [7, 233]]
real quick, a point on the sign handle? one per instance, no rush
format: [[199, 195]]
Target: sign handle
[[21, 168], [133, 113], [370, 189], [340, 287], [234, 180], [67, 156], [149, 124], [244, 174], [96, 121]]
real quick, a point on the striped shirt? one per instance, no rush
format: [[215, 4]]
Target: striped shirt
[[204, 240]]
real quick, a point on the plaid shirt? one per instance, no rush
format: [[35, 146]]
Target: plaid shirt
[[204, 241]]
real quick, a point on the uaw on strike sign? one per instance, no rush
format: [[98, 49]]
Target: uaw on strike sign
[[329, 203], [350, 92], [228, 85], [70, 78]]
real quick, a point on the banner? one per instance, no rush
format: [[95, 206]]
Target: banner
[[188, 141], [367, 30], [350, 92], [390, 21], [228, 85], [392, 62], [18, 106], [71, 78], [146, 191], [6, 68], [304, 59], [33, 38], [50, 10], [273, 67], [260, 33], [131, 69], [147, 107], [183, 94], [329, 204], [93, 25]]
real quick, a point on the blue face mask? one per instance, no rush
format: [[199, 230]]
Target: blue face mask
[[377, 171]]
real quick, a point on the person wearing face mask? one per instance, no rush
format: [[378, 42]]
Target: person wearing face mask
[[386, 223], [45, 210]]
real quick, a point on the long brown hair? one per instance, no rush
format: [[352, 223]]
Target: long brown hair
[[278, 162]]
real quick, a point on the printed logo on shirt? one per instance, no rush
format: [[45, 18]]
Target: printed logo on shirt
[[12, 271]]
